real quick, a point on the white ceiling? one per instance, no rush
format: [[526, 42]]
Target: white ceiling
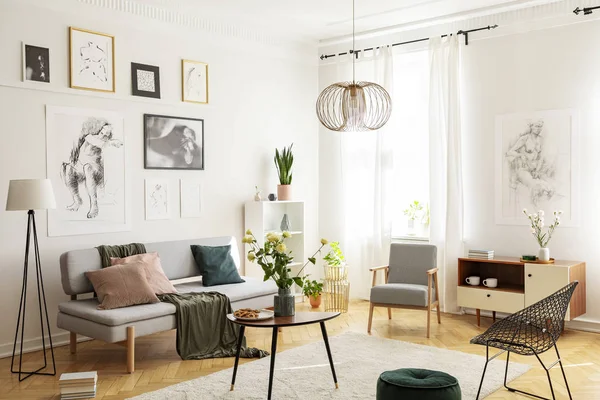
[[326, 19]]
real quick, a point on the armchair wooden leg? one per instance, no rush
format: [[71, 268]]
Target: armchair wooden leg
[[428, 320], [130, 349], [73, 342], [438, 312], [389, 313], [370, 317]]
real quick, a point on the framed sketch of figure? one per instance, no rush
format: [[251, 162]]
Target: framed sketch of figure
[[173, 142], [537, 165], [92, 60], [36, 64], [194, 81]]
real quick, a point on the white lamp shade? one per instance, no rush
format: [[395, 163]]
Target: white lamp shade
[[30, 194]]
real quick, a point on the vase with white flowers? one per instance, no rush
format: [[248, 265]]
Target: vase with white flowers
[[274, 259], [542, 236]]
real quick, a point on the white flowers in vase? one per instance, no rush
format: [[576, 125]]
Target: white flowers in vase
[[537, 223]]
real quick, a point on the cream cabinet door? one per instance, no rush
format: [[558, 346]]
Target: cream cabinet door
[[543, 280]]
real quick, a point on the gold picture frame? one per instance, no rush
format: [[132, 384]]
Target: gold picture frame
[[194, 82], [94, 66]]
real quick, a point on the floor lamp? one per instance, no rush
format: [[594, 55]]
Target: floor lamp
[[29, 195]]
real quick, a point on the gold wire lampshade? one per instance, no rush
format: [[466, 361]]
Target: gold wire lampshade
[[354, 106]]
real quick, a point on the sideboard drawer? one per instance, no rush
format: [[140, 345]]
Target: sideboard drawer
[[492, 300]]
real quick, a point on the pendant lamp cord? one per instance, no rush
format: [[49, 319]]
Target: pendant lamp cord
[[353, 46]]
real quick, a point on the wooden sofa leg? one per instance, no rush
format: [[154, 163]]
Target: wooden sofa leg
[[73, 342], [130, 349], [389, 313], [370, 317]]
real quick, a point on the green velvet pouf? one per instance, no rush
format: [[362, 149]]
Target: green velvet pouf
[[421, 384]]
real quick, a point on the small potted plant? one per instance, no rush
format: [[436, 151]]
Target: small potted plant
[[335, 263], [313, 290], [283, 162], [536, 222], [413, 212]]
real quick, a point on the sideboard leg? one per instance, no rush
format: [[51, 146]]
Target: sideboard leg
[[494, 316], [478, 317]]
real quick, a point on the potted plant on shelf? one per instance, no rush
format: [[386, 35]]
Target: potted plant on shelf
[[283, 163], [543, 238], [313, 290], [413, 212], [274, 259]]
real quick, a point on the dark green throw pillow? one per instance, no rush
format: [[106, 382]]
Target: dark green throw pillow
[[216, 265]]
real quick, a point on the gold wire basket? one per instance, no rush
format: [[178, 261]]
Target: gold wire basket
[[336, 288]]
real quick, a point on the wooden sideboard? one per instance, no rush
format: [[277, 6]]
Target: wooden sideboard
[[520, 284]]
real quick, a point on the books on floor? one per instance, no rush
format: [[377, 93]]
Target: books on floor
[[486, 254], [78, 385]]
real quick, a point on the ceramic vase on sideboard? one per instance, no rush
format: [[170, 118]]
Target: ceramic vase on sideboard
[[544, 254]]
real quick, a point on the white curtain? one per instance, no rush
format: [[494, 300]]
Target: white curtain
[[366, 169], [445, 165]]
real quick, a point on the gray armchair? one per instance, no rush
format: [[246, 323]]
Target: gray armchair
[[409, 281]]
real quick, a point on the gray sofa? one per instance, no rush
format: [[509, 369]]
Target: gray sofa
[[81, 316]]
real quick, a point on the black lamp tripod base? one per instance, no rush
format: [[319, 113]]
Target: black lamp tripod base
[[22, 307]]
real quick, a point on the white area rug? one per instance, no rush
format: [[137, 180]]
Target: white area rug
[[304, 372]]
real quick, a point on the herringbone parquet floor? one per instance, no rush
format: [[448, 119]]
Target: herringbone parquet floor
[[158, 365]]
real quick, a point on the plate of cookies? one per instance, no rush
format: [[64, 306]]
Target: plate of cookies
[[251, 314]]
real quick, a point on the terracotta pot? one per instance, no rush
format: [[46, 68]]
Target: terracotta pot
[[315, 302], [284, 192]]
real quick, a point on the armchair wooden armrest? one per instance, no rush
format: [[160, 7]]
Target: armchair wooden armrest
[[432, 271], [385, 268], [378, 268]]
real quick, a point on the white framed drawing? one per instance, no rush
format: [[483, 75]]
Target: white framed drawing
[[85, 157], [157, 199], [537, 165], [92, 60], [190, 191], [194, 81]]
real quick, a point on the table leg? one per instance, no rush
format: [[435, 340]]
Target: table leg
[[478, 312], [273, 351], [237, 355], [326, 340]]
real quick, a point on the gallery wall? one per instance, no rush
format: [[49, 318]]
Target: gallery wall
[[550, 69], [261, 93]]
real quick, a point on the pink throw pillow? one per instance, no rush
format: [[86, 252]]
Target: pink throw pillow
[[154, 273]]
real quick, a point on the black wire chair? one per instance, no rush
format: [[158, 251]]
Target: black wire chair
[[529, 332]]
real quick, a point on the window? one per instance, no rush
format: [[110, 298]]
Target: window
[[410, 140]]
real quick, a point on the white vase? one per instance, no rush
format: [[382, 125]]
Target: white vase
[[544, 254]]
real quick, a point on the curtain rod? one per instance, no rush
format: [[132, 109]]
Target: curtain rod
[[461, 32]]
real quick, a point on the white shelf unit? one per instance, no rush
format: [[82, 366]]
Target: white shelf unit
[[263, 217]]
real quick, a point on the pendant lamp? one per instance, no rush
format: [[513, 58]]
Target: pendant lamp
[[354, 106]]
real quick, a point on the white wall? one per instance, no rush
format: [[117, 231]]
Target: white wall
[[261, 97], [542, 70]]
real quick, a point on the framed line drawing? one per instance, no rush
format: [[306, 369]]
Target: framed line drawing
[[194, 81], [537, 166], [92, 60], [157, 199], [145, 80], [36, 63], [173, 142]]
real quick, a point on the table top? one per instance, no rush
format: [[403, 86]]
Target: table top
[[301, 318]]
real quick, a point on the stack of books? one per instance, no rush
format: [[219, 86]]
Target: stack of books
[[78, 385], [485, 254]]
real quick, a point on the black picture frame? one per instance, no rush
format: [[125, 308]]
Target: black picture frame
[[181, 148], [135, 89], [36, 63]]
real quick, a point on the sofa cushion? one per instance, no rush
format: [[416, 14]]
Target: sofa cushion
[[216, 265], [87, 309], [157, 279], [251, 288], [122, 286]]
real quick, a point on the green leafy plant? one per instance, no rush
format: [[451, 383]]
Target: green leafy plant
[[414, 210], [283, 162], [274, 258], [312, 288], [334, 257]]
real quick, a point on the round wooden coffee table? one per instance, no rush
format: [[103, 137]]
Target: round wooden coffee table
[[301, 318]]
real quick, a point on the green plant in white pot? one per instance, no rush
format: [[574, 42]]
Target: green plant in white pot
[[413, 212], [284, 160]]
